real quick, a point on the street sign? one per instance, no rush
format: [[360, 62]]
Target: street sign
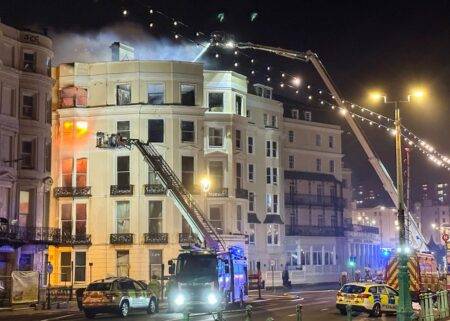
[[445, 237]]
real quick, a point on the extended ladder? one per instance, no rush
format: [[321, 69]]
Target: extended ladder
[[183, 200]]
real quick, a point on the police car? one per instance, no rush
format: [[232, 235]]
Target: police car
[[372, 298]]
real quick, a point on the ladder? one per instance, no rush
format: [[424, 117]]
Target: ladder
[[182, 198]]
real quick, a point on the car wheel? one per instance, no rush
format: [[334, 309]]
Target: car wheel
[[124, 309], [376, 311], [89, 314], [152, 306], [343, 311]]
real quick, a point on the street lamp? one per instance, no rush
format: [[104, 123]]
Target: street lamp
[[205, 183], [405, 310]]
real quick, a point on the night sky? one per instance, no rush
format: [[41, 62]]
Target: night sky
[[390, 45]]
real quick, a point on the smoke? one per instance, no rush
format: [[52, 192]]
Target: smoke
[[94, 46]]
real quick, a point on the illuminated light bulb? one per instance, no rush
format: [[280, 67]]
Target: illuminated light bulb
[[333, 107], [175, 23], [236, 64], [150, 11], [309, 87], [343, 111], [371, 123], [363, 109], [379, 126], [253, 72], [332, 96], [216, 55], [252, 61], [379, 116], [353, 116], [393, 132], [321, 102], [283, 75], [177, 36], [422, 143], [197, 34], [320, 92], [268, 79], [296, 91], [281, 85], [125, 12], [268, 68], [310, 97], [235, 52], [371, 113], [296, 81], [151, 24], [229, 44], [343, 101], [352, 105]]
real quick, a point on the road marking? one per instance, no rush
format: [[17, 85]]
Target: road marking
[[292, 315], [324, 309], [298, 299], [60, 317]]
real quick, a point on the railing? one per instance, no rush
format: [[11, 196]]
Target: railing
[[13, 234], [117, 190], [310, 230], [241, 193], [84, 191], [154, 189], [77, 239], [187, 238], [218, 192], [156, 238], [362, 229], [122, 238], [313, 200]]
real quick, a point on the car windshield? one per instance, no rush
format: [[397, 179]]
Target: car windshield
[[204, 266], [353, 289], [100, 286]]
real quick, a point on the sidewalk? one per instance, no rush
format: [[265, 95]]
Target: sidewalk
[[21, 312]]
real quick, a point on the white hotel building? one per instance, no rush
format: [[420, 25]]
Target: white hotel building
[[115, 216]]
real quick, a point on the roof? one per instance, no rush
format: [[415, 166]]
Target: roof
[[253, 218], [273, 219], [310, 176]]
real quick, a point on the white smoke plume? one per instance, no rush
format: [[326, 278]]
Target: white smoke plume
[[93, 46]]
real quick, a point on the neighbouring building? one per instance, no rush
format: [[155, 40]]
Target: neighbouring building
[[435, 194], [25, 146]]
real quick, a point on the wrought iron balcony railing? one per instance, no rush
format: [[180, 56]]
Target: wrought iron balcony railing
[[218, 192], [121, 190], [311, 230], [187, 238], [241, 193], [121, 238], [20, 235], [362, 228], [314, 200], [77, 239], [156, 238], [154, 189], [84, 191]]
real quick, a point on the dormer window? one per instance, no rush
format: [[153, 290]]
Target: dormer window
[[263, 91], [294, 113], [308, 116]]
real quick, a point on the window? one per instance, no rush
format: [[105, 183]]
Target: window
[[65, 266], [123, 94], [251, 233], [6, 148], [251, 201], [318, 140], [294, 113], [317, 258], [123, 263], [215, 216], [238, 139], [153, 178], [29, 61], [238, 175], [238, 105], [48, 110], [123, 128], [274, 121], [188, 95], [308, 116], [268, 203], [155, 260], [80, 219], [251, 172], [265, 119], [330, 141], [273, 232], [81, 172], [215, 102], [187, 131], [80, 266], [155, 217], [274, 149], [216, 174], [268, 176], [48, 156], [27, 154], [122, 217], [29, 106], [123, 171], [291, 136], [268, 148], [156, 130], [239, 218], [318, 165], [155, 94], [48, 64], [247, 113], [187, 172], [275, 176], [331, 166], [291, 161], [66, 219], [7, 100], [275, 203], [215, 137], [250, 145]]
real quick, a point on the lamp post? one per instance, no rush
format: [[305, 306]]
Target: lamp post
[[404, 310]]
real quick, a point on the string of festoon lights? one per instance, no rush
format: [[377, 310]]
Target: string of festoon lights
[[285, 80]]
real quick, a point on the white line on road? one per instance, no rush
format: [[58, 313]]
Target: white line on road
[[59, 318], [324, 309], [292, 315]]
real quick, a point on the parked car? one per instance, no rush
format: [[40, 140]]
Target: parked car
[[118, 295]]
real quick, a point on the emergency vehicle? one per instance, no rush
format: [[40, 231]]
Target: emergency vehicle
[[371, 298], [423, 274]]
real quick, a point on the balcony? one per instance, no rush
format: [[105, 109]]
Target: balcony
[[362, 229], [218, 192], [19, 235], [314, 200], [154, 189], [310, 230], [118, 190], [156, 238], [187, 238], [242, 193], [122, 238], [70, 191], [77, 239]]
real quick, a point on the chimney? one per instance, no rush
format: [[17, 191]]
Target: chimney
[[121, 51]]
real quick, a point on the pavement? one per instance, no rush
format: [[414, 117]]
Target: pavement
[[318, 304]]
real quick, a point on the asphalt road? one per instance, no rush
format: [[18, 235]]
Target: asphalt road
[[317, 305]]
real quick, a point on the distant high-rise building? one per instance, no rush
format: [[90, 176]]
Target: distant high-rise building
[[437, 194]]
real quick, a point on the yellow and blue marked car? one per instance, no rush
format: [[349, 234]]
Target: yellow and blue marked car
[[372, 298]]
